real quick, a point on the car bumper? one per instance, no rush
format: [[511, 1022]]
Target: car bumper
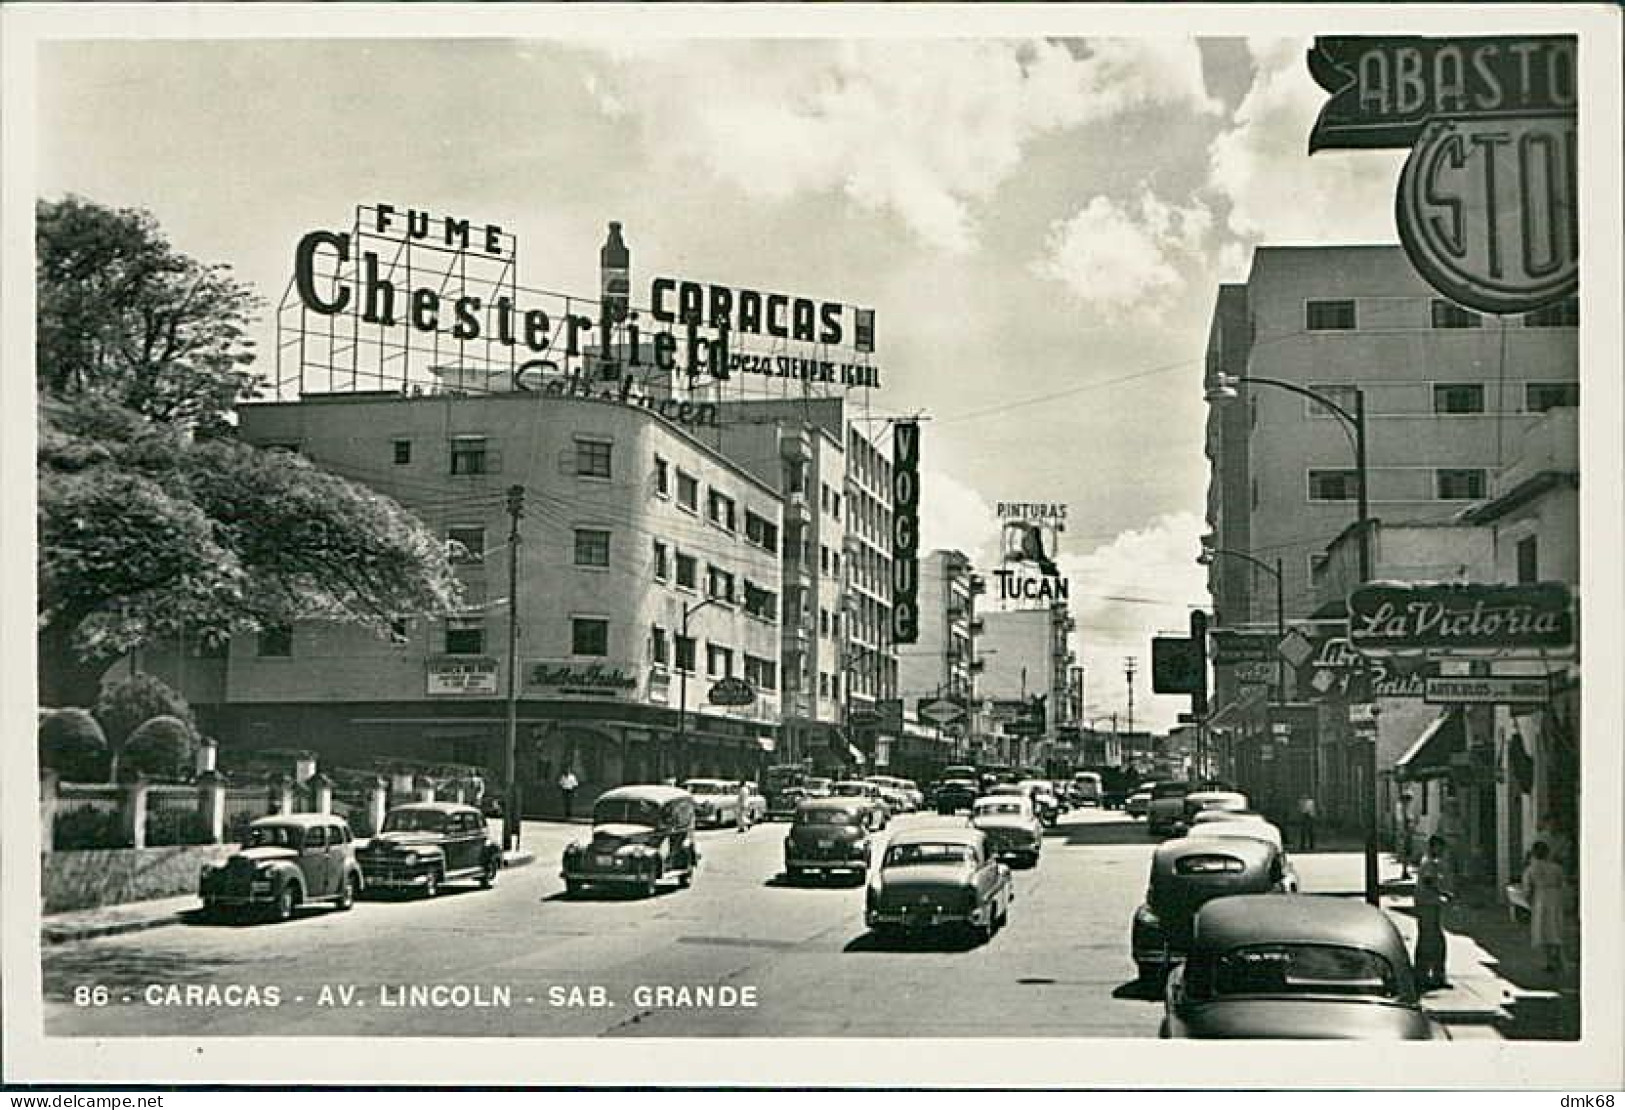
[[909, 921], [259, 893], [394, 880], [825, 863]]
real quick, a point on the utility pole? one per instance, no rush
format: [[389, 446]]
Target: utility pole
[[1130, 665], [510, 777]]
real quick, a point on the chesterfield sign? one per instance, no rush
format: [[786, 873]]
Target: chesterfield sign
[[1487, 204], [1478, 618]]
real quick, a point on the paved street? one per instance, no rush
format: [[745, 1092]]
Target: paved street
[[1060, 967]]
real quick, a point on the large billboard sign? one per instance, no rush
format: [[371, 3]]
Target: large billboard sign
[[1030, 540], [905, 611], [1487, 203], [1406, 618]]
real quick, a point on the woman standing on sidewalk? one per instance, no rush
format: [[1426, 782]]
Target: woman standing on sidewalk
[[1544, 886], [1431, 896]]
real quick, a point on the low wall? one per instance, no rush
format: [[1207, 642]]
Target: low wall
[[107, 876]]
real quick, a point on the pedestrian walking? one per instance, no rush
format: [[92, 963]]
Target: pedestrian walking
[[743, 822], [1307, 812], [1432, 895], [567, 787], [1545, 887]]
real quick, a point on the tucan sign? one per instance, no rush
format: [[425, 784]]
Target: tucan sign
[[1487, 202]]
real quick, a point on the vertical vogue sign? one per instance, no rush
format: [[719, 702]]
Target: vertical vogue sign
[[1487, 204], [905, 492]]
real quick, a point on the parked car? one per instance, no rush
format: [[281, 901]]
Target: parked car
[[641, 836], [1295, 968], [1139, 801], [286, 861], [1255, 829], [1166, 808], [879, 811], [954, 794], [1185, 875], [425, 844], [1013, 830], [828, 835], [716, 801], [936, 877]]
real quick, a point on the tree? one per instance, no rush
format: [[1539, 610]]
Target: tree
[[72, 744], [164, 747], [127, 706], [124, 316]]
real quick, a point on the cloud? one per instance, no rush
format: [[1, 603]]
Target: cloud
[[954, 516], [919, 131], [1139, 585], [1124, 260], [1274, 190]]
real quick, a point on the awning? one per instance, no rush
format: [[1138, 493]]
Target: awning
[[1430, 756]]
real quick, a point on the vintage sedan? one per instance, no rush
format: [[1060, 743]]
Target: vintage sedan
[[894, 792], [879, 811], [1013, 830], [1138, 800], [716, 801], [828, 835], [424, 845], [1255, 829], [1166, 809], [937, 877], [1301, 967], [954, 794], [1200, 801], [641, 836], [1186, 874], [286, 861]]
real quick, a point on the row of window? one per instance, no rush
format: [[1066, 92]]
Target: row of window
[[1449, 484], [720, 509], [1527, 551], [589, 636], [678, 652], [720, 584], [1342, 315], [1454, 398]]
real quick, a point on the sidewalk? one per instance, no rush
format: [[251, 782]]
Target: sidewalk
[[133, 917]]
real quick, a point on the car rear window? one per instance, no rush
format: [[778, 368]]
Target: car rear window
[[414, 820], [1297, 969], [1013, 808], [825, 817], [907, 855]]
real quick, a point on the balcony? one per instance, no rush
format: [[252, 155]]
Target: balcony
[[977, 626], [978, 584]]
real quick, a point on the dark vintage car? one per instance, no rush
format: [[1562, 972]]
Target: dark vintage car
[[953, 795], [1013, 830], [783, 802], [939, 877], [641, 836], [828, 835], [285, 862], [1186, 874], [1166, 807], [1299, 967], [424, 845]]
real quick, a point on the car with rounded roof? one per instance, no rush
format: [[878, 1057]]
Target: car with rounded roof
[[1295, 967], [424, 845], [1199, 801], [1251, 829], [1138, 800], [1166, 808], [285, 862], [641, 837], [953, 793], [828, 835], [1186, 874], [716, 801], [938, 876], [1014, 831], [879, 811]]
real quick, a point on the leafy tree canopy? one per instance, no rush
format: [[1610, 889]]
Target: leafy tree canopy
[[71, 743]]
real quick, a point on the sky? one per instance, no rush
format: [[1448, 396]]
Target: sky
[[1040, 224]]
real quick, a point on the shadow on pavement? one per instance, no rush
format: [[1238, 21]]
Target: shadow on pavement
[[118, 966], [942, 940], [1144, 990], [1126, 831], [616, 892], [841, 880]]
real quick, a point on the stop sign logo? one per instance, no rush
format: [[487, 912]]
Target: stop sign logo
[[1487, 211]]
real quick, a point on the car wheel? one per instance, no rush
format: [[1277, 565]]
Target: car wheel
[[488, 877], [431, 885], [347, 895], [287, 899]]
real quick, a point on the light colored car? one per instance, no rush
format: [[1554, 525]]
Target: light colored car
[[879, 811], [935, 877], [1013, 830], [1139, 801], [891, 793], [716, 801]]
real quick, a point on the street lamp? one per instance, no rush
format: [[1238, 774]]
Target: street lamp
[[1223, 389], [1206, 559], [682, 681]]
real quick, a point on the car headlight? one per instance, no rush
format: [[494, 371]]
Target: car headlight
[[1144, 916], [573, 848]]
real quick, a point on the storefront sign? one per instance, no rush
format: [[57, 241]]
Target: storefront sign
[[905, 532], [659, 685], [1231, 646], [569, 679], [462, 677], [1468, 617], [1494, 691], [731, 690], [1335, 669], [1487, 204]]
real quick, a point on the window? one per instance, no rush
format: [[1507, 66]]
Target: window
[[1459, 397], [592, 458], [685, 654], [1460, 485], [835, 625], [662, 561], [589, 636], [719, 661], [823, 621], [835, 505], [1447, 314], [1540, 396], [1528, 560], [1333, 485], [659, 646], [761, 532], [719, 584], [688, 571], [759, 602], [465, 543], [823, 558], [719, 509], [468, 455], [761, 673], [465, 636], [688, 492], [1329, 315], [1338, 394], [1563, 314], [823, 684], [276, 642], [823, 496], [592, 547], [835, 563], [662, 477], [403, 451]]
